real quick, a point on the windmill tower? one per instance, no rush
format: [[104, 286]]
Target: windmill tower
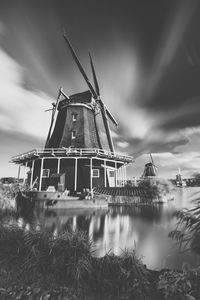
[[150, 170], [79, 152]]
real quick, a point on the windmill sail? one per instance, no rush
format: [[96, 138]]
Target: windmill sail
[[53, 118], [154, 166], [80, 67], [102, 106], [94, 76], [98, 93]]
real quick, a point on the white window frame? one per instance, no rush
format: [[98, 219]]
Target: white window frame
[[48, 173], [73, 134], [74, 117], [98, 173]]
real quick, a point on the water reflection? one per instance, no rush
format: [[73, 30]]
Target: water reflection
[[144, 228]]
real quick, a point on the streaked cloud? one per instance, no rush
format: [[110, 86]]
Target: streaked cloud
[[21, 110]]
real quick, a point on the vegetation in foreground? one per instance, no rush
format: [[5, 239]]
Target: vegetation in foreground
[[187, 232], [37, 265]]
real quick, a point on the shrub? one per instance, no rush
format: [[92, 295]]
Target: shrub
[[156, 187], [179, 285]]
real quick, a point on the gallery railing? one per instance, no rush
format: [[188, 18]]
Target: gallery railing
[[71, 152]]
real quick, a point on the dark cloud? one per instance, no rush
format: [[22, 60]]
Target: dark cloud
[[137, 147], [184, 121], [176, 89]]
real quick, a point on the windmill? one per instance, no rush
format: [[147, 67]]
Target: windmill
[[150, 169], [79, 152]]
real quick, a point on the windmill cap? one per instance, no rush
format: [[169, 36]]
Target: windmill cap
[[84, 97]]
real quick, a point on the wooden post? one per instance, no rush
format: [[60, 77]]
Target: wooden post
[[41, 168], [116, 177], [120, 175], [75, 175], [125, 173], [122, 170], [24, 180], [58, 167], [91, 174], [18, 176], [105, 183], [32, 170]]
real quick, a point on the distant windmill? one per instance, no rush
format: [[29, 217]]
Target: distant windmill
[[150, 169]]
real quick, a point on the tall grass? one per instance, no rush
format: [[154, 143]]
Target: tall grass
[[68, 257]]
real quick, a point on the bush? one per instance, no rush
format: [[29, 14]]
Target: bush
[[155, 188], [180, 285], [118, 275]]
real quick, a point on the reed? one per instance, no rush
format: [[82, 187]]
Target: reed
[[187, 231], [68, 257]]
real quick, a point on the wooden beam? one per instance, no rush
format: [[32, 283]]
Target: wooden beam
[[41, 168], [32, 170]]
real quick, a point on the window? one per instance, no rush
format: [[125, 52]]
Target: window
[[95, 173], [112, 173], [74, 117], [73, 134], [45, 172]]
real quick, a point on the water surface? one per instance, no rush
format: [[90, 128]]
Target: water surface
[[143, 228]]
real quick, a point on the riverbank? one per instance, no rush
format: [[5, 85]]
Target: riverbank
[[37, 265]]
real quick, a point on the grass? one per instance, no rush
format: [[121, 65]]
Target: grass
[[39, 264]]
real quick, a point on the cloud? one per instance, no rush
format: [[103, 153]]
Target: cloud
[[21, 110], [123, 144]]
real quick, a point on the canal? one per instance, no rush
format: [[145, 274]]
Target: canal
[[143, 228]]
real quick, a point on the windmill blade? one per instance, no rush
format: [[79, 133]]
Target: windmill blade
[[111, 116], [153, 163], [52, 117], [98, 92], [80, 66], [65, 95], [151, 159], [94, 76], [105, 121], [48, 109]]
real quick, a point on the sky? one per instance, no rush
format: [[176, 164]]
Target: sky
[[147, 60]]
